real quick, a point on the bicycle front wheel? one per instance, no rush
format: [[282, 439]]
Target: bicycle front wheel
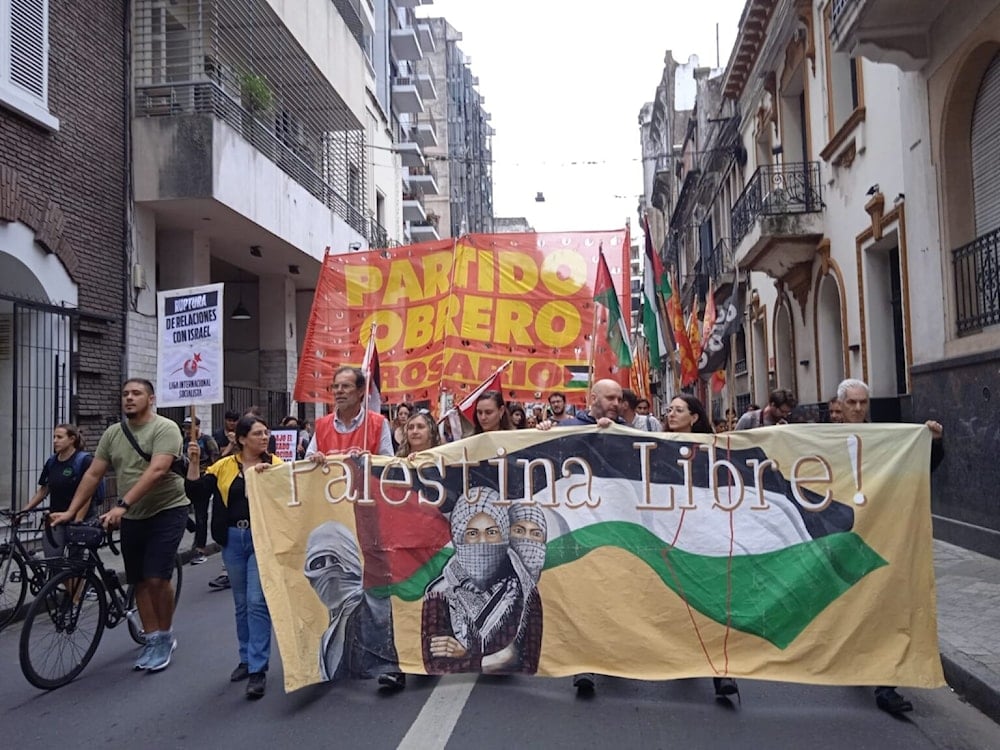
[[134, 623], [62, 628], [13, 586]]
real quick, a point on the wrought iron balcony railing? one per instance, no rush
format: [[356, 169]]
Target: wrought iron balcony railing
[[976, 268], [839, 6], [721, 261], [774, 190]]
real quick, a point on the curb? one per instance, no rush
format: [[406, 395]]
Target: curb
[[972, 681]]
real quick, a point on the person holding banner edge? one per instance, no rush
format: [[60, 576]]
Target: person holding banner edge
[[855, 401], [353, 428]]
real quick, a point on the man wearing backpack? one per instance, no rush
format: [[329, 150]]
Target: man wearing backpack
[[59, 480], [144, 449]]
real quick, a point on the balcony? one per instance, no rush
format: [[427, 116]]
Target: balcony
[[423, 181], [777, 220], [976, 270], [423, 231], [425, 131], [426, 37], [425, 85], [721, 263], [215, 122], [404, 44], [410, 154], [406, 96], [413, 208], [886, 31]]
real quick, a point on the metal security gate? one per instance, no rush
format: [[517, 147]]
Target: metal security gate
[[38, 367]]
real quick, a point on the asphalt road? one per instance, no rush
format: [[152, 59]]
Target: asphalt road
[[192, 704]]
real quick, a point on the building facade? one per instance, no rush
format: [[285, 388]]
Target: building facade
[[849, 169], [63, 195], [460, 166], [251, 143]]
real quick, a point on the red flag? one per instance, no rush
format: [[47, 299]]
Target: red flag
[[373, 375], [710, 314], [689, 363], [492, 383], [718, 381]]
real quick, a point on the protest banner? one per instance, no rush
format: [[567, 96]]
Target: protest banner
[[448, 313], [801, 553], [285, 443], [189, 362]]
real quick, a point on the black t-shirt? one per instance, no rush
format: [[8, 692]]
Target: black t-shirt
[[62, 479]]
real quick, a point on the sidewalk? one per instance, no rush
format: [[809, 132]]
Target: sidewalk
[[968, 599]]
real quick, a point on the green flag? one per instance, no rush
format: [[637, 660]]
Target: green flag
[[604, 294]]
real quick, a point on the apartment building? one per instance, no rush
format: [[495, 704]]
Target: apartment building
[[457, 182], [252, 129], [63, 178], [846, 161]]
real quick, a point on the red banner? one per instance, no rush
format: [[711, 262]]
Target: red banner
[[448, 313]]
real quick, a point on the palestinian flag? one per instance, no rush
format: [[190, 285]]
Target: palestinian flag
[[617, 332], [579, 377], [764, 572]]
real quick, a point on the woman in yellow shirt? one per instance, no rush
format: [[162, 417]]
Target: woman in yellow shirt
[[224, 483]]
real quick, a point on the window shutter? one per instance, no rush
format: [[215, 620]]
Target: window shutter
[[28, 48], [986, 151]]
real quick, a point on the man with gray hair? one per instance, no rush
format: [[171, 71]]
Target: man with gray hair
[[855, 400]]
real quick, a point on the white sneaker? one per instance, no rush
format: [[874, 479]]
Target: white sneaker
[[162, 649]]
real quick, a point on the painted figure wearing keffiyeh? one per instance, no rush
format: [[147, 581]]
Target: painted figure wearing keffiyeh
[[483, 614]]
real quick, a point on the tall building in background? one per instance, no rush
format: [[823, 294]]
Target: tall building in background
[[461, 164], [412, 94]]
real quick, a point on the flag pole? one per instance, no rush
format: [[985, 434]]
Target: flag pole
[[593, 332], [368, 389]]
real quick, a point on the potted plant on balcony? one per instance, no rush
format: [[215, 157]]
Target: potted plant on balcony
[[433, 219], [255, 92]]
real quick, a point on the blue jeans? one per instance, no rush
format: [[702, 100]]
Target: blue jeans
[[253, 621]]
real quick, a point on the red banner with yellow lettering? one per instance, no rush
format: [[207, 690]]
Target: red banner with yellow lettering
[[448, 313]]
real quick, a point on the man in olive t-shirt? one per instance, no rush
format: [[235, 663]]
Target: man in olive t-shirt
[[152, 511]]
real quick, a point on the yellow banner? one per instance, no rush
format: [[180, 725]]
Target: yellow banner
[[799, 553]]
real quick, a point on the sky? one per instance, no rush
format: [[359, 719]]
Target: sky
[[564, 82]]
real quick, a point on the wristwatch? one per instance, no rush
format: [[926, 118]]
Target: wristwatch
[[122, 504]]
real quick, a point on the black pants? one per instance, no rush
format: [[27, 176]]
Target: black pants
[[200, 522]]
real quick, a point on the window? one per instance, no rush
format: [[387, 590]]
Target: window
[[24, 62]]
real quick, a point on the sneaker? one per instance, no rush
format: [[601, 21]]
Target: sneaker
[[162, 649], [725, 686], [584, 683], [889, 700], [255, 686], [392, 680], [198, 559], [146, 654], [219, 582], [240, 673]]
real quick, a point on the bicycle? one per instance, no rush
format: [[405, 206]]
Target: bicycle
[[21, 569], [65, 622]]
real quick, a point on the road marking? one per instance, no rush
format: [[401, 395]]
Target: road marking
[[437, 719]]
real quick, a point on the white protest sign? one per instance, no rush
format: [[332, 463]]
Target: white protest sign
[[189, 346]]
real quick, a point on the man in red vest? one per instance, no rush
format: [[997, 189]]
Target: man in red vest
[[350, 427], [353, 428]]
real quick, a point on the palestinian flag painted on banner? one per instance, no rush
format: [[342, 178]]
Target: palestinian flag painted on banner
[[736, 568]]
